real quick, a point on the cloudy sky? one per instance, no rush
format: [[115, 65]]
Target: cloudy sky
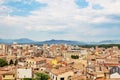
[[82, 20]]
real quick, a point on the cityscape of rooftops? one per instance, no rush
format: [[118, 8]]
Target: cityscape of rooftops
[[59, 40]]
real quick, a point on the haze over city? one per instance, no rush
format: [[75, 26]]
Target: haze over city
[[81, 20]]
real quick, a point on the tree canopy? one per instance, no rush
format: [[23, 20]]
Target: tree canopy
[[74, 56], [101, 45], [3, 62], [29, 79], [41, 76]]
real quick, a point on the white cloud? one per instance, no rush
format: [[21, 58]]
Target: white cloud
[[66, 11], [45, 28], [65, 15]]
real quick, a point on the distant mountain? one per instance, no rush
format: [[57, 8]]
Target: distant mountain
[[62, 42], [24, 40], [21, 41], [109, 42], [69, 42], [28, 41]]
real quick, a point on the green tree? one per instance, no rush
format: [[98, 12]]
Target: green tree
[[28, 79], [74, 56], [11, 62], [16, 62], [3, 62], [41, 76]]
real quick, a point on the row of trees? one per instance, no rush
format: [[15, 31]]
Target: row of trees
[[102, 45], [74, 56], [5, 63]]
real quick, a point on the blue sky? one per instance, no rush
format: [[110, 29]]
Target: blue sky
[[23, 7], [82, 20]]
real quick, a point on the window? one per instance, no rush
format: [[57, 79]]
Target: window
[[100, 69], [53, 77], [3, 75], [116, 69], [113, 70], [107, 67], [61, 78], [69, 77]]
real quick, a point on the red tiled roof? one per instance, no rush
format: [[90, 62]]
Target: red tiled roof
[[61, 70], [111, 64]]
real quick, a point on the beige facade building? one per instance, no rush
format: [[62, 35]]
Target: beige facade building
[[63, 73], [35, 62]]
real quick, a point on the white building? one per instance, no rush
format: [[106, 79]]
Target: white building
[[115, 72], [24, 73], [115, 75]]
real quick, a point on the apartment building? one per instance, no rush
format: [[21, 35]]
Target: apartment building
[[35, 62], [62, 73]]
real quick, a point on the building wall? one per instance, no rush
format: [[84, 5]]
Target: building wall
[[8, 77], [64, 75], [35, 64], [3, 48], [115, 75], [31, 63], [24, 73]]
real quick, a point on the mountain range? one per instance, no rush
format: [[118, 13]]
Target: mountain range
[[70, 42], [21, 41]]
